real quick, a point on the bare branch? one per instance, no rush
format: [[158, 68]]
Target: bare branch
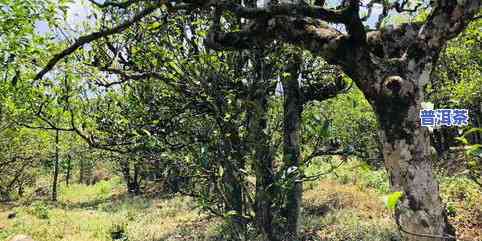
[[476, 17], [46, 128], [324, 151], [354, 24], [92, 37], [320, 174]]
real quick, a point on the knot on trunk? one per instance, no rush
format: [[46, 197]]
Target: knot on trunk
[[397, 86]]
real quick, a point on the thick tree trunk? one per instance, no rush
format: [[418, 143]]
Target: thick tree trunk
[[407, 154], [56, 167], [293, 107]]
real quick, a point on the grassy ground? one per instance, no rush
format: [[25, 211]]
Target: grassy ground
[[346, 205], [93, 213]]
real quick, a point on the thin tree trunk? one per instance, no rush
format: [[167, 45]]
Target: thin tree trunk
[[264, 173], [234, 199], [136, 186], [127, 174], [174, 180], [232, 181], [263, 161], [81, 171], [20, 190], [69, 167], [476, 136], [293, 107], [56, 167], [132, 182]]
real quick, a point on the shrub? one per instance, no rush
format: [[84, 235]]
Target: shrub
[[40, 210]]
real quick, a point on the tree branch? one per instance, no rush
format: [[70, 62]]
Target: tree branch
[[321, 91], [288, 9], [354, 24], [92, 37], [310, 34], [124, 4], [46, 128], [393, 41], [320, 174], [445, 22], [328, 150]]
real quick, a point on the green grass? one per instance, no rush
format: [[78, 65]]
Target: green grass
[[79, 193], [353, 172], [464, 204], [338, 207], [91, 213], [462, 196]]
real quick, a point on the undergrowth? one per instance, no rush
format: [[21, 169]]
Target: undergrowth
[[345, 205]]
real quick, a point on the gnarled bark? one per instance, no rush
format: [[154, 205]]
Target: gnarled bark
[[406, 150]]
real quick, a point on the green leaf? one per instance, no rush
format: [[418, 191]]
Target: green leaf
[[474, 150], [176, 68], [231, 213], [154, 25], [285, 75], [463, 140], [393, 199], [146, 132], [472, 130]]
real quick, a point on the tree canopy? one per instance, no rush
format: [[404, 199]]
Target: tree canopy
[[231, 102]]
